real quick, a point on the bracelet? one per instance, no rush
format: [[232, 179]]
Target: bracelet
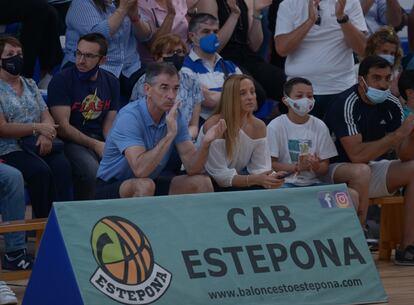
[[258, 17], [34, 129]]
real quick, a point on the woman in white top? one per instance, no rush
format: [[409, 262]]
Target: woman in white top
[[241, 159]]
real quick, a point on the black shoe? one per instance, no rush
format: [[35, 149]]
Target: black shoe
[[371, 242], [405, 257], [17, 260]]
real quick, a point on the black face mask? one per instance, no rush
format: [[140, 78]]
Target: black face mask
[[13, 65], [176, 60]]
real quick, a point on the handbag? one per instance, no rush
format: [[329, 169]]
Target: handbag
[[28, 144]]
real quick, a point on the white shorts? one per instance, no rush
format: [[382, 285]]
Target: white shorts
[[378, 182]]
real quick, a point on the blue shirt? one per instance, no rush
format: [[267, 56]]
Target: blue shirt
[[89, 100], [84, 17], [189, 94], [27, 109], [376, 16], [210, 77], [134, 126]]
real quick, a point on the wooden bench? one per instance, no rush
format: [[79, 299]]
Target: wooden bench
[[37, 225], [391, 224]]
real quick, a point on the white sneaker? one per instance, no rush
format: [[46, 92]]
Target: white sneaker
[[7, 296]]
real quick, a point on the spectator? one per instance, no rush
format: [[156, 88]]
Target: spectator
[[367, 122], [140, 143], [406, 88], [385, 43], [379, 13], [164, 17], [13, 207], [84, 100], [170, 48], [205, 64], [24, 113], [39, 35], [241, 158], [245, 36], [300, 144], [319, 45], [121, 25]]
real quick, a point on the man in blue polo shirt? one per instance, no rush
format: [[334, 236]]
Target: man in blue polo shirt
[[367, 122], [140, 143], [205, 63]]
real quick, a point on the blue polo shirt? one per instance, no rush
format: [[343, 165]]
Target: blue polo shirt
[[134, 126]]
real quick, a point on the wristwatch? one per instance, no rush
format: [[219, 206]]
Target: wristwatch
[[344, 19]]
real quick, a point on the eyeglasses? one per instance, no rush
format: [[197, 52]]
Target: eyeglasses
[[318, 19], [179, 52], [87, 56]]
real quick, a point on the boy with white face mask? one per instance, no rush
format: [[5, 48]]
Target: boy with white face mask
[[299, 142]]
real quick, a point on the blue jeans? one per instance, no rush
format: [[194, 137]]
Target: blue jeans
[[12, 205], [85, 163]]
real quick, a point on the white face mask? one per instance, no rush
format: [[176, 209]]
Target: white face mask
[[301, 106]]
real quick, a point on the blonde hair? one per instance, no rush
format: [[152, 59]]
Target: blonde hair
[[384, 35], [229, 109]]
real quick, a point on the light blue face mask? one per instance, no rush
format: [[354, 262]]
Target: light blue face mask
[[388, 57], [407, 111], [377, 96]]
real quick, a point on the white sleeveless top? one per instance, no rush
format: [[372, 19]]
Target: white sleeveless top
[[252, 155]]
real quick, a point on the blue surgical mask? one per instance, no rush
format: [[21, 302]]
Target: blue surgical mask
[[209, 43], [388, 57], [88, 74], [377, 96]]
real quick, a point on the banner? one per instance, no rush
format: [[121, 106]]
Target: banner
[[284, 246]]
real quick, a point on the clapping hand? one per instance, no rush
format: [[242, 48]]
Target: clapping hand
[[215, 132]]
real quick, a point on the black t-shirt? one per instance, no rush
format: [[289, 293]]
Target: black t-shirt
[[89, 100], [350, 116]]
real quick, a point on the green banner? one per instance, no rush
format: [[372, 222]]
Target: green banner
[[285, 246]]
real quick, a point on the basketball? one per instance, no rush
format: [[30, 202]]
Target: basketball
[[122, 250]]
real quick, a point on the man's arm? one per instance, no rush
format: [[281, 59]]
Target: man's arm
[[366, 5], [394, 13], [354, 38], [255, 33], [363, 152], [70, 133], [143, 162], [167, 24], [107, 123], [226, 31], [289, 42]]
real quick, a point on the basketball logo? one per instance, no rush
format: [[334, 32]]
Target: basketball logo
[[125, 259], [122, 250]]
